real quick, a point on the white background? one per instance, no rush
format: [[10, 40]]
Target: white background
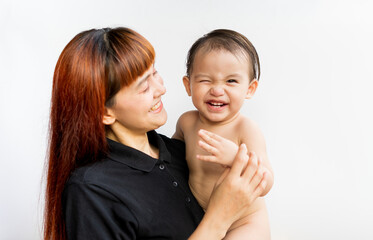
[[314, 102]]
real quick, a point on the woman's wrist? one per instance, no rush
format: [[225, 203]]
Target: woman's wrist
[[210, 228]]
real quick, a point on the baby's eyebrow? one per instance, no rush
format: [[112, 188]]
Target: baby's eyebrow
[[235, 75], [201, 75]]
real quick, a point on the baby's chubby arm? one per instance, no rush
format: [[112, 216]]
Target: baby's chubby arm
[[184, 123], [237, 188], [178, 133], [223, 150], [254, 139]]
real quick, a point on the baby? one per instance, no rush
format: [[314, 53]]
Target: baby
[[222, 71]]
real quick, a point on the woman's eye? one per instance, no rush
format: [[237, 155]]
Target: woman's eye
[[145, 89]]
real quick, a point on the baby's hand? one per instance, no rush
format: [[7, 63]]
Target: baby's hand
[[222, 150]]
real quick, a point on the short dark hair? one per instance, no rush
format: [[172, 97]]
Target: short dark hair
[[229, 40]]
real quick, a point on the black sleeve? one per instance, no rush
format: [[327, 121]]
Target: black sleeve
[[93, 213]]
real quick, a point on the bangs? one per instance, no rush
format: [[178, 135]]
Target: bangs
[[129, 57], [136, 55]]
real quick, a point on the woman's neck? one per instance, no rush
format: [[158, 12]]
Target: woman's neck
[[135, 140]]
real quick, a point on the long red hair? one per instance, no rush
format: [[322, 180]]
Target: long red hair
[[91, 69]]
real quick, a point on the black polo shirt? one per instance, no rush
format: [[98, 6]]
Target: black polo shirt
[[130, 195]]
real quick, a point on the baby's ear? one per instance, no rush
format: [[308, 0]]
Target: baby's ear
[[252, 88], [109, 117], [186, 82]]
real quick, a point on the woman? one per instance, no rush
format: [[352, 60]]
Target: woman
[[110, 175]]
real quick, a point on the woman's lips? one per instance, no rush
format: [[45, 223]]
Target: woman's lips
[[157, 107]]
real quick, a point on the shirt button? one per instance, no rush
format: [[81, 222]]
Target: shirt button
[[175, 184], [161, 166], [187, 199]]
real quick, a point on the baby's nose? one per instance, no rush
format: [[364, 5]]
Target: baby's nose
[[217, 91]]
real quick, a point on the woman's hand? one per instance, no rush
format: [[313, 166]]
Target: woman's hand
[[222, 150], [236, 190]]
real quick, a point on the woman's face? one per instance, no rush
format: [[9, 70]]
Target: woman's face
[[138, 107]]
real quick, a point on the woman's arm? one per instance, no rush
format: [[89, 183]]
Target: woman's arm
[[236, 190]]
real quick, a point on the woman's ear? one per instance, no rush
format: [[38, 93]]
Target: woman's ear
[[252, 88], [186, 82], [109, 117]]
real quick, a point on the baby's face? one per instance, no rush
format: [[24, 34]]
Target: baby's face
[[219, 84]]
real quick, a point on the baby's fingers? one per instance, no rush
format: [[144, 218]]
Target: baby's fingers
[[207, 158], [209, 137], [208, 148]]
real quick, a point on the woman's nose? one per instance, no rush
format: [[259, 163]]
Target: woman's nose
[[217, 91], [160, 89]]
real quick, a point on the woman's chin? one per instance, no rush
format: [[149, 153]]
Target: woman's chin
[[162, 119]]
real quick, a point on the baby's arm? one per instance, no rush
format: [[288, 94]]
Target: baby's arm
[[234, 192], [179, 132], [223, 150], [183, 123], [254, 139]]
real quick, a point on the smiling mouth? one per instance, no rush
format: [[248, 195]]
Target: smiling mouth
[[155, 107], [217, 104]]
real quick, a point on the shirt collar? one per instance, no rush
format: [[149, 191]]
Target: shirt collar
[[137, 159]]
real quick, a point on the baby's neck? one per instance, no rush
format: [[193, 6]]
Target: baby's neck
[[208, 122]]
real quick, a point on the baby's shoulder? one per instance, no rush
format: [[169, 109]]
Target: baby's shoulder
[[188, 117], [184, 124], [190, 114], [249, 130], [245, 123]]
